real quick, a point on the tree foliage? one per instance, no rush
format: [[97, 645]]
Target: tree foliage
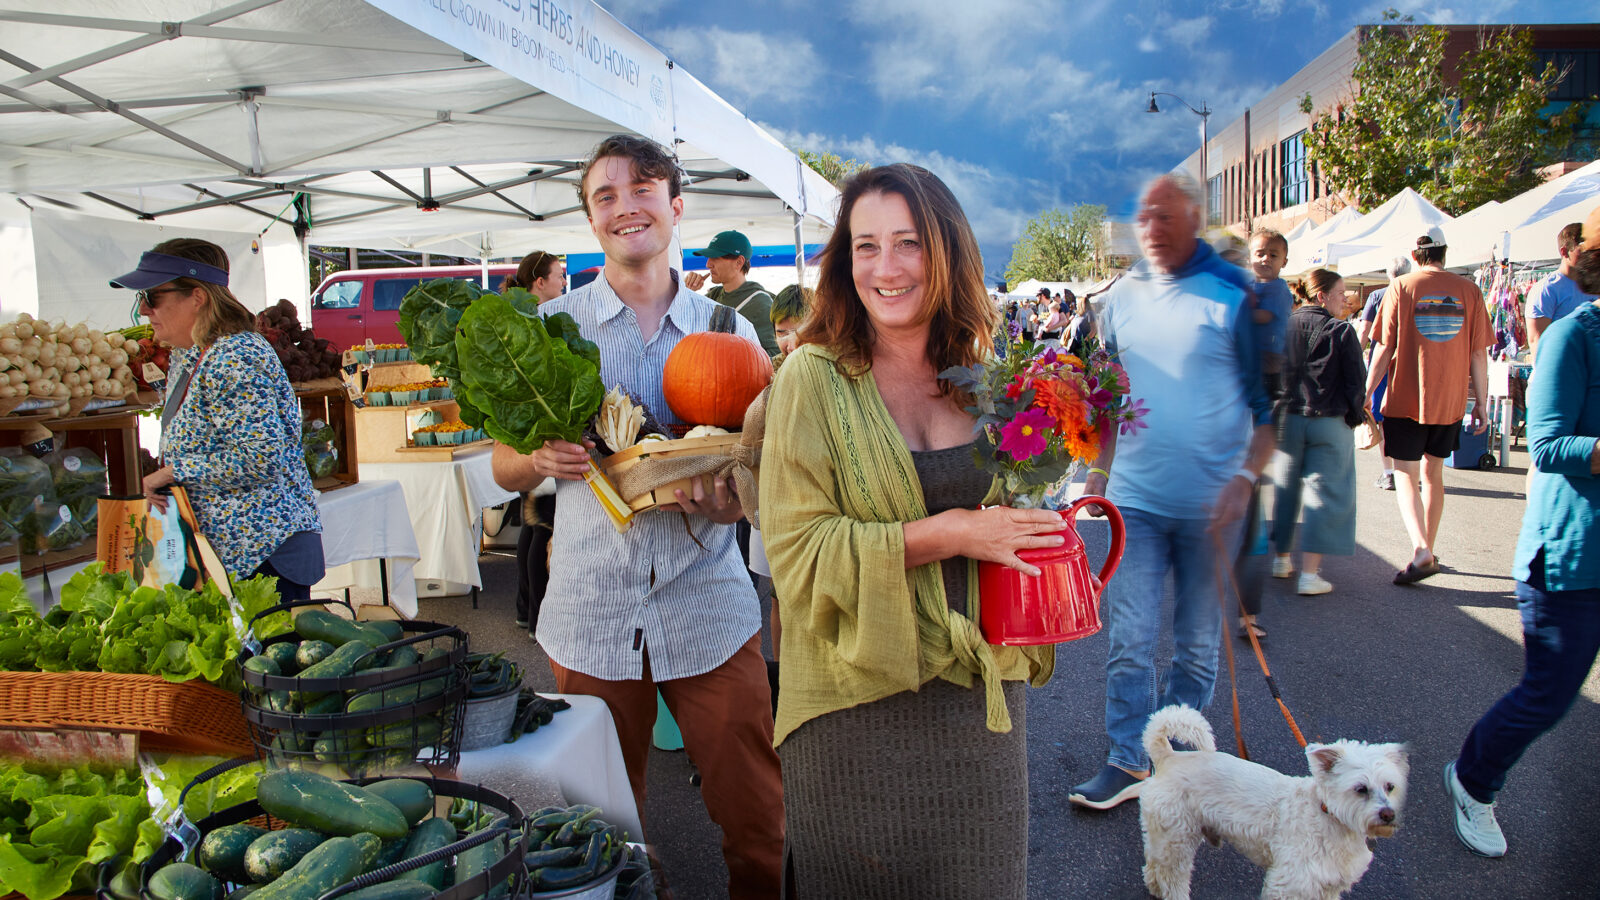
[[1059, 245], [1459, 144], [830, 165]]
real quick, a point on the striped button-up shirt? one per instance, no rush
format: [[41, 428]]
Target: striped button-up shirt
[[613, 595]]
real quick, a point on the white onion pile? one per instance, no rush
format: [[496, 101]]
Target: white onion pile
[[57, 361]]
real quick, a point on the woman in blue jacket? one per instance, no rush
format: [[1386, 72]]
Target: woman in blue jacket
[[1557, 572]]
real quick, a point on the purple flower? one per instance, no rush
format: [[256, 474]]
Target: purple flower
[[1015, 330], [1133, 417], [1027, 436]]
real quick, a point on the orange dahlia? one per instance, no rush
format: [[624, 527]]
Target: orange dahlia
[[1081, 439], [1062, 400]]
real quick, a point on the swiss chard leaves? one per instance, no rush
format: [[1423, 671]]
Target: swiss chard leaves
[[532, 379], [429, 314]]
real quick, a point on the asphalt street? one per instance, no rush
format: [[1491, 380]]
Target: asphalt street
[[1371, 661]]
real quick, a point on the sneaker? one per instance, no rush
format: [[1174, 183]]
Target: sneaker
[[1109, 788], [522, 623], [1385, 482], [1282, 567], [1312, 584], [1475, 824]]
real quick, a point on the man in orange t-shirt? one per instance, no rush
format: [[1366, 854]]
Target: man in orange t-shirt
[[1432, 338]]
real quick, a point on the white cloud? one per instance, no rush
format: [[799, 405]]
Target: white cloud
[[745, 66], [1148, 44]]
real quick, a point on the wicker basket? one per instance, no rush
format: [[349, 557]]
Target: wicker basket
[[618, 463], [187, 717]]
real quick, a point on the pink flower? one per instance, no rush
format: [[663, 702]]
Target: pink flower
[[1133, 417], [1027, 435]]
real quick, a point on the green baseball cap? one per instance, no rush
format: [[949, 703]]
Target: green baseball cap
[[728, 243]]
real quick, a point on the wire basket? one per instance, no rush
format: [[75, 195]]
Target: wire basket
[[510, 822], [387, 719]]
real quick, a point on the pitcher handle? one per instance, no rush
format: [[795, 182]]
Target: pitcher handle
[[1118, 534]]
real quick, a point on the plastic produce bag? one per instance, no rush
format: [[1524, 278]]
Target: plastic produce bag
[[322, 458], [79, 476], [28, 503]]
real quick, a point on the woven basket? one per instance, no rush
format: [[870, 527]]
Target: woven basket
[[190, 717], [618, 463]]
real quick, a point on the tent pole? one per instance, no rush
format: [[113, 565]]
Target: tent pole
[[799, 252], [483, 258]]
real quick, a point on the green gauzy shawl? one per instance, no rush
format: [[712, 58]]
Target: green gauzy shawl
[[837, 486]]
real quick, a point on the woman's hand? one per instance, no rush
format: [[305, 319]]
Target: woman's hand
[[154, 482], [994, 535]]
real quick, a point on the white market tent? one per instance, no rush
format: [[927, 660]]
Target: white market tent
[[1306, 249], [1528, 223], [1299, 231], [1383, 233], [443, 127]]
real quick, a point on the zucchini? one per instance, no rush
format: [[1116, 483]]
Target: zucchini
[[429, 835], [309, 653], [391, 628], [321, 625], [282, 653], [392, 852], [222, 851], [392, 890], [332, 704], [181, 881], [334, 862], [371, 848], [280, 701], [262, 665], [243, 891], [276, 852], [373, 700], [338, 746], [410, 733], [387, 762], [402, 657], [475, 861], [333, 807], [340, 662], [413, 798]]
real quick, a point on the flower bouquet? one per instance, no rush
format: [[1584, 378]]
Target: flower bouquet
[[1042, 413]]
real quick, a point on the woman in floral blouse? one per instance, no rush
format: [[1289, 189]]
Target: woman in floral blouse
[[230, 422]]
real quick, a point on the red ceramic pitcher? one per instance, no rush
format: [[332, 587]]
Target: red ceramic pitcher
[[1059, 604]]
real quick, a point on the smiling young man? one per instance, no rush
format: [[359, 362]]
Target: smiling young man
[[666, 605]]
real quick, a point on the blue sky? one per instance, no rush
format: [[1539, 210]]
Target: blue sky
[[1019, 105]]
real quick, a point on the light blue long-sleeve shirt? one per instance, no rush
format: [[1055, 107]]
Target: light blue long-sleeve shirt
[[1187, 341], [1563, 424]]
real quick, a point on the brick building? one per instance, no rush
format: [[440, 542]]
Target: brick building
[[1259, 175]]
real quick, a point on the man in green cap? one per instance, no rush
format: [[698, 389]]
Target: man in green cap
[[728, 261]]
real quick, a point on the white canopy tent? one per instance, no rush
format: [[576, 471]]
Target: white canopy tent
[[441, 127], [1524, 228], [1383, 233], [1306, 249]]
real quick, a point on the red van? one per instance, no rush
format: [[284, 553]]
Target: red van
[[350, 307]]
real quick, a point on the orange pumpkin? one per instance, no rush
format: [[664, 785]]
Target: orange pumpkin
[[712, 376]]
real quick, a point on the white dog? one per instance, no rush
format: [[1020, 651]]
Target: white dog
[[1310, 834]]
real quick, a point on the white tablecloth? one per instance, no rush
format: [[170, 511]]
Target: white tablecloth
[[446, 502], [578, 749], [361, 525]]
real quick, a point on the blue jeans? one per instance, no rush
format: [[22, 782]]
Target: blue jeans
[[1560, 636], [1156, 545], [1318, 459]]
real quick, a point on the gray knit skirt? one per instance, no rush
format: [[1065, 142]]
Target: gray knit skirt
[[909, 797]]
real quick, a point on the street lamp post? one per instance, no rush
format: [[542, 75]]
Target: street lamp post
[[1205, 138]]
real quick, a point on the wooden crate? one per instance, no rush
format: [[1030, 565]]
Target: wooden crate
[[384, 432], [330, 404], [618, 463]]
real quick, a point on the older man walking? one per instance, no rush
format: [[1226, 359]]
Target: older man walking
[[1180, 323]]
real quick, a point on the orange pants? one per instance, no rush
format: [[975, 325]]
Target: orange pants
[[726, 719]]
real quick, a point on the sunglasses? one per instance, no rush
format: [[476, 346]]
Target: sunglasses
[[149, 297]]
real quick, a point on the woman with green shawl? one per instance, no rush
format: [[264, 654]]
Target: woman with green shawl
[[902, 733]]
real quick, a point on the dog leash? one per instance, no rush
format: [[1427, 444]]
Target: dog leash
[[1225, 587]]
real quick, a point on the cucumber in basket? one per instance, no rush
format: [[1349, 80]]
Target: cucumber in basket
[[315, 801]]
